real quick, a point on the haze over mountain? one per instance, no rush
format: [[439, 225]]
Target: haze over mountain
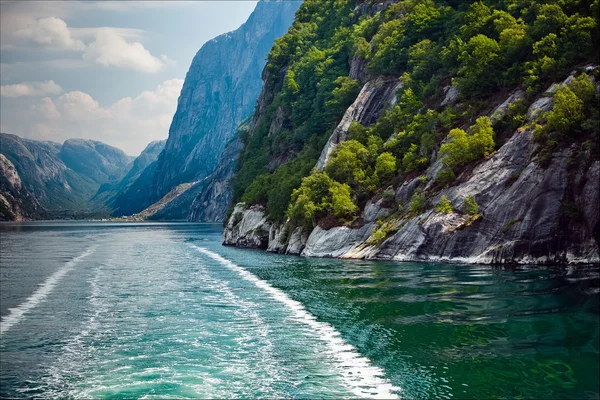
[[65, 178]]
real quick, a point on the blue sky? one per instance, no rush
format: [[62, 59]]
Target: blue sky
[[109, 71]]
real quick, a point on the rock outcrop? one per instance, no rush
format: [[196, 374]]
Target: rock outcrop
[[373, 98], [220, 89], [214, 194], [529, 212], [247, 227], [16, 203]]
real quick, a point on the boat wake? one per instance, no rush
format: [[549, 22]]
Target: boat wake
[[361, 377], [17, 313]]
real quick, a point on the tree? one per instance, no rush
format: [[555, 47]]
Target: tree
[[471, 207], [445, 177], [417, 203], [412, 161], [462, 149], [357, 132], [584, 88], [456, 151], [444, 206], [482, 138], [423, 59], [385, 166], [479, 66], [318, 196], [347, 163], [341, 200], [566, 113]]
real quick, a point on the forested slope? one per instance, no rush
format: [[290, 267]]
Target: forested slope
[[491, 136]]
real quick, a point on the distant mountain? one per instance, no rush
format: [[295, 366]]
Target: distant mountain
[[119, 195], [64, 178], [220, 89], [16, 203], [96, 160]]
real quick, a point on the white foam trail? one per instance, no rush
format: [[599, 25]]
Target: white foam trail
[[17, 313], [363, 379]]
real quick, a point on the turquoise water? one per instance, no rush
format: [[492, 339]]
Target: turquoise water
[[98, 310]]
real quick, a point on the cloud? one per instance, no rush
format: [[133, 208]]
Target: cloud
[[79, 106], [47, 108], [111, 49], [129, 123], [107, 46], [50, 33], [30, 89]]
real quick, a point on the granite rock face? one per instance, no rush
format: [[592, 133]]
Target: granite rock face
[[214, 196], [220, 90], [16, 203], [529, 212], [247, 227], [374, 97]]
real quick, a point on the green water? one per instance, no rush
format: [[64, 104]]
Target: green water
[[93, 310]]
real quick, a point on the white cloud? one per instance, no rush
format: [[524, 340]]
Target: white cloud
[[47, 109], [111, 49], [129, 123], [79, 106], [30, 89], [108, 46], [50, 33]]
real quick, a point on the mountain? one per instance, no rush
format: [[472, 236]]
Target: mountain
[[64, 178], [16, 203], [214, 196], [220, 89], [118, 195], [96, 160], [426, 131]]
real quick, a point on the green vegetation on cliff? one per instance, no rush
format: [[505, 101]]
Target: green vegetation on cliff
[[482, 50]]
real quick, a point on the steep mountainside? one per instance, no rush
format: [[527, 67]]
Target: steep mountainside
[[96, 160], [220, 89], [431, 130], [118, 195], [64, 178], [213, 198], [16, 203]]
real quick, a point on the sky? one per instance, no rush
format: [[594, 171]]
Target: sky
[[108, 71]]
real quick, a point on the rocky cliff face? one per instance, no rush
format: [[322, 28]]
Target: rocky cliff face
[[529, 212], [211, 202], [64, 178], [220, 89], [123, 197], [16, 203], [374, 96]]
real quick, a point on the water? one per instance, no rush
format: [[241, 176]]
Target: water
[[98, 310]]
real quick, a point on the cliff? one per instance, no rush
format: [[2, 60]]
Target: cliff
[[16, 203], [220, 89], [121, 196], [434, 156], [528, 214]]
